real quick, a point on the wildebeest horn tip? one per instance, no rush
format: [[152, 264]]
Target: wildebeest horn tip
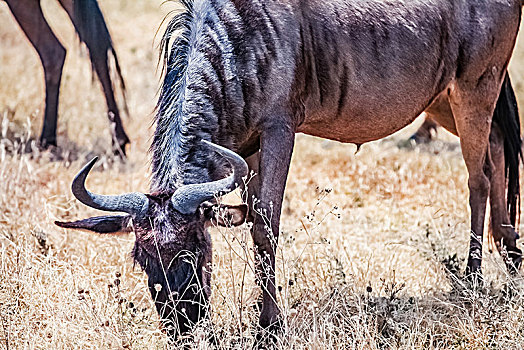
[[131, 203]]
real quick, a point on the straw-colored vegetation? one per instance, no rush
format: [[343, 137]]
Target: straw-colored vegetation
[[370, 248]]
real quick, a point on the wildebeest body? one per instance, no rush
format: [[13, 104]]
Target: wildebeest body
[[360, 72], [363, 79], [349, 71], [250, 74]]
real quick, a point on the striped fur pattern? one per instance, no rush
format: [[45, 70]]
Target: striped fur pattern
[[202, 96], [250, 74]]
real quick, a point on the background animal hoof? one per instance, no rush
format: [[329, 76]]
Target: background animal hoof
[[267, 337], [474, 278]]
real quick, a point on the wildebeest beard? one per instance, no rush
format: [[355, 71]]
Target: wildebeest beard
[[178, 291], [175, 252]]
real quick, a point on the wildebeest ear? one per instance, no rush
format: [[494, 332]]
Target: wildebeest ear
[[100, 224], [226, 215]]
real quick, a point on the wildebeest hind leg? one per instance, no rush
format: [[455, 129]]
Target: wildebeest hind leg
[[472, 108], [120, 139], [29, 16]]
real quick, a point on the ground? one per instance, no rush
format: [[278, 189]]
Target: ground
[[371, 246]]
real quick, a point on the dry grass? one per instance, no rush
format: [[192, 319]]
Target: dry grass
[[368, 254]]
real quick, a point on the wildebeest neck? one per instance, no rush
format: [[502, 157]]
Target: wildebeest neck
[[201, 98]]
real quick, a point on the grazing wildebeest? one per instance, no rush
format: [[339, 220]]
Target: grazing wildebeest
[[92, 30], [250, 74]]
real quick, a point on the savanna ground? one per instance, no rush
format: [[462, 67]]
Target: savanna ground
[[370, 254]]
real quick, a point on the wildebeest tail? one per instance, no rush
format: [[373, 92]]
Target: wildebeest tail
[[506, 116], [92, 30]]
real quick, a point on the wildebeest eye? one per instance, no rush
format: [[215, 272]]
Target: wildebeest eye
[[226, 215]]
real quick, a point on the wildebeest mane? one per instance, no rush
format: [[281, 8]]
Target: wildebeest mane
[[175, 60], [200, 86], [174, 51]]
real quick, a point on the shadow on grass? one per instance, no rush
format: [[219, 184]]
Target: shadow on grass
[[432, 147]]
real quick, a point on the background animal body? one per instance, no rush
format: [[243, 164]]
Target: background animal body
[[92, 30], [325, 263]]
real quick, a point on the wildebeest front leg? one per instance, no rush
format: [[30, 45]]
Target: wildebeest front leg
[[276, 147], [29, 16]]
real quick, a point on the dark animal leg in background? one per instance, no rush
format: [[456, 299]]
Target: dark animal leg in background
[[424, 133], [120, 139], [29, 16], [92, 30], [274, 159]]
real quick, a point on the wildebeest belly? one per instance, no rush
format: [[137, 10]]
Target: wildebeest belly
[[369, 70], [362, 122]]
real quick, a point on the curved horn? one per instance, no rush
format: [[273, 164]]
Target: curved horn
[[131, 203], [188, 198]]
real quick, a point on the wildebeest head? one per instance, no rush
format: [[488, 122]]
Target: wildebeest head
[[172, 243]]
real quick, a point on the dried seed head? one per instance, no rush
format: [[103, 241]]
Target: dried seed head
[[158, 287]]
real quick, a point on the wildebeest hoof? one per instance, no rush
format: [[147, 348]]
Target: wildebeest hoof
[[474, 278], [514, 260], [119, 149], [267, 337], [47, 143]]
